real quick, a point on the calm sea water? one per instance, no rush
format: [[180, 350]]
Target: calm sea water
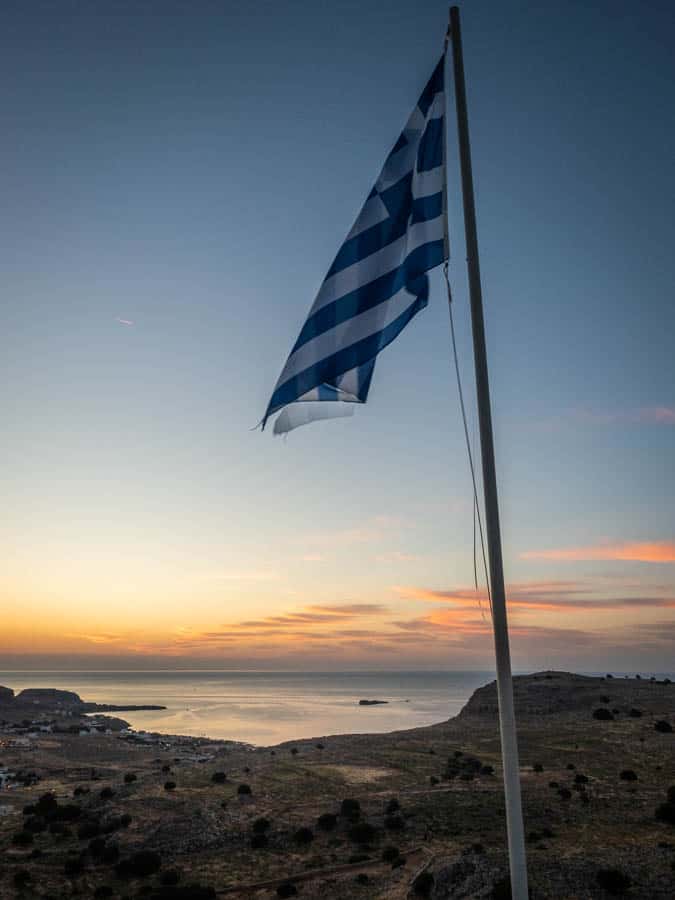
[[268, 707]]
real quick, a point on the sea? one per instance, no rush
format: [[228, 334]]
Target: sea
[[262, 707]]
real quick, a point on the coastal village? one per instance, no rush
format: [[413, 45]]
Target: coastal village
[[92, 808]]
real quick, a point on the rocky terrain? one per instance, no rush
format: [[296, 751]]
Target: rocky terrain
[[416, 813]]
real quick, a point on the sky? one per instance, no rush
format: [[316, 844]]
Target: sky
[[176, 179]]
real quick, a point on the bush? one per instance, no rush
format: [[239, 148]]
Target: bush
[[553, 784], [22, 839], [170, 877], [362, 878], [319, 747], [537, 767], [166, 769], [501, 890], [21, 878], [125, 820], [169, 785], [107, 793], [670, 793], [565, 793], [487, 770], [287, 889], [580, 779], [603, 715], [628, 775], [433, 780], [261, 825], [294, 751], [665, 812], [96, 847], [140, 865], [111, 854], [327, 822], [362, 833], [129, 778], [218, 777], [663, 727], [259, 841], [635, 713], [423, 884], [103, 891], [303, 836], [350, 808], [72, 868], [570, 766], [394, 823], [80, 791], [392, 806], [613, 881], [36, 824], [604, 698], [390, 853], [244, 790]]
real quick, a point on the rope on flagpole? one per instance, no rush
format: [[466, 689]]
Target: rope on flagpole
[[476, 506]]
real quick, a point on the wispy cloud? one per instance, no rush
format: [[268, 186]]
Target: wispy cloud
[[646, 551], [642, 415], [126, 322]]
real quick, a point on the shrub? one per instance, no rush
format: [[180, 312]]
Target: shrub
[[103, 891], [287, 889], [390, 853], [433, 780], [604, 698], [111, 854], [565, 793], [261, 825], [603, 715], [392, 806], [635, 713], [670, 793], [580, 779], [247, 770], [570, 766], [533, 837], [22, 838], [487, 770], [166, 769], [129, 778], [96, 847], [66, 813], [107, 793], [319, 747], [537, 767], [663, 727], [169, 785], [613, 881], [21, 878], [362, 833], [350, 808], [553, 784], [358, 858], [72, 868], [29, 810], [244, 790], [218, 777], [259, 841], [423, 884], [36, 824], [362, 878], [294, 751], [80, 791], [327, 822], [303, 836], [665, 812], [170, 877], [501, 890], [478, 849], [394, 823], [125, 820], [628, 775], [140, 865]]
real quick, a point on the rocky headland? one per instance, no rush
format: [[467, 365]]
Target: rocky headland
[[416, 813]]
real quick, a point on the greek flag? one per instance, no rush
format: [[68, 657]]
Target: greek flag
[[378, 279]]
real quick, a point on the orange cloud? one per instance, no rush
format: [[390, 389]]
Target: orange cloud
[[650, 552]]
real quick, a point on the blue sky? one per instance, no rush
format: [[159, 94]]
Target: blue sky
[[192, 168]]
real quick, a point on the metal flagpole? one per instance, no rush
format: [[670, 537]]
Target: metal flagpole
[[507, 722]]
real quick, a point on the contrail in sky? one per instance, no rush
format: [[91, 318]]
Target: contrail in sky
[[127, 322]]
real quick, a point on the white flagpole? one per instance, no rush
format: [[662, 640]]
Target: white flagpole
[[507, 722]]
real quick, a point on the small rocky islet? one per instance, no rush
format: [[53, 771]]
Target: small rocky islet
[[107, 812]]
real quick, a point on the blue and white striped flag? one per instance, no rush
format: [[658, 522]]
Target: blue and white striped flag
[[378, 279]]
